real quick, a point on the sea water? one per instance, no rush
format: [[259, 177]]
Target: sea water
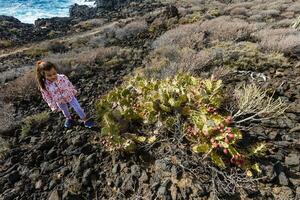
[[27, 11]]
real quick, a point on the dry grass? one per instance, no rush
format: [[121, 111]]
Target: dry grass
[[7, 118], [132, 29], [21, 88], [171, 60], [243, 55], [239, 11], [33, 121], [97, 41], [253, 104], [4, 147], [286, 41], [226, 28], [295, 7], [91, 23], [5, 43], [189, 35], [69, 61], [296, 23]]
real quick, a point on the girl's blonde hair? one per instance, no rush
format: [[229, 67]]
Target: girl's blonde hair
[[40, 68]]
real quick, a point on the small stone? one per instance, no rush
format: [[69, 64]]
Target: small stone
[[54, 195], [295, 181], [270, 172], [34, 139], [116, 169], [52, 184], [298, 193], [283, 179], [272, 135], [161, 191], [292, 159], [144, 177], [295, 129], [86, 177], [283, 193], [38, 184], [135, 171], [51, 153]]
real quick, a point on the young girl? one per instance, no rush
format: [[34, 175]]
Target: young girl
[[57, 91]]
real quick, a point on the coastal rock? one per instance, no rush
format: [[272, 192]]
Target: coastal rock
[[111, 4], [54, 23], [82, 12], [13, 31]]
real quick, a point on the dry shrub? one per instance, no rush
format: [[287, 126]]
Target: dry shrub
[[226, 28], [296, 23], [243, 55], [69, 61], [286, 41], [91, 23], [294, 7], [275, 5], [256, 18], [5, 43], [79, 42], [242, 5], [33, 122], [285, 23], [238, 8], [4, 147], [23, 87], [239, 11], [288, 15], [97, 41], [270, 13], [7, 119], [253, 103], [132, 29], [171, 60], [98, 55], [43, 48], [188, 35]]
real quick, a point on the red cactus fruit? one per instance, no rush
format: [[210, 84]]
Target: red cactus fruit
[[225, 151]]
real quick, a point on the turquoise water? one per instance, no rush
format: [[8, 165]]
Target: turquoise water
[[29, 10]]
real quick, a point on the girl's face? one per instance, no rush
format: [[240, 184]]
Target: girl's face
[[51, 75]]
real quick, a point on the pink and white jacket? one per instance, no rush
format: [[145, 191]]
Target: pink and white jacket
[[58, 92]]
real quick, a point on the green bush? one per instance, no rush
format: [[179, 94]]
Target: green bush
[[138, 103]]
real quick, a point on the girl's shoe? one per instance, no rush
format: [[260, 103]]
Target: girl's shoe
[[69, 123], [89, 123]]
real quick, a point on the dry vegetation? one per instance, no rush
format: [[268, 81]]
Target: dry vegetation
[[33, 121], [282, 40], [225, 28], [7, 117], [23, 87], [132, 29], [253, 104], [189, 35]]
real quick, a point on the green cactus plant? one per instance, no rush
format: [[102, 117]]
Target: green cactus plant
[[139, 102]]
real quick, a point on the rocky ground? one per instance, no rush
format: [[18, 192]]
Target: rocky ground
[[50, 162]]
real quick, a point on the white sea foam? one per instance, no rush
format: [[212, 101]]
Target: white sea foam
[[30, 10]]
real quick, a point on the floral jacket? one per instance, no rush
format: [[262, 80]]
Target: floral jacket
[[58, 92]]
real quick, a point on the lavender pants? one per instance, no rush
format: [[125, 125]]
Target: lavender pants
[[75, 105]]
